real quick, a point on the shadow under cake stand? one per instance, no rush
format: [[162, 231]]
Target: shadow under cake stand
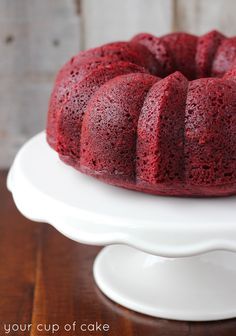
[[167, 257]]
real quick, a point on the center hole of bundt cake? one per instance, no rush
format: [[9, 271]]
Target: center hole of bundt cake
[[209, 55], [187, 71]]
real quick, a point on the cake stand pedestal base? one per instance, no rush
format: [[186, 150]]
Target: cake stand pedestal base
[[198, 288]]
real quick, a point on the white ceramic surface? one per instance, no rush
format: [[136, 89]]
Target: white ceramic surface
[[86, 210], [199, 288]]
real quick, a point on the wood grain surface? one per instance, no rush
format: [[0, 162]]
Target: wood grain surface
[[36, 38], [47, 279]]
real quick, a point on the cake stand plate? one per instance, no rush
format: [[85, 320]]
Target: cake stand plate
[[169, 257]]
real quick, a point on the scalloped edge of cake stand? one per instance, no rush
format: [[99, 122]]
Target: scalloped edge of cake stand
[[166, 226]]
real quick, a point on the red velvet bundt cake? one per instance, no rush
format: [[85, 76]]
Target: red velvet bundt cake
[[155, 114]]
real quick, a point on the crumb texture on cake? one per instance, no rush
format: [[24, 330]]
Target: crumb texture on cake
[[153, 114]]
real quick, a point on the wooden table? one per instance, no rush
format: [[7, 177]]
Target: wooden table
[[46, 279]]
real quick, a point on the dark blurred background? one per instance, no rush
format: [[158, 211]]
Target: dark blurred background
[[38, 36]]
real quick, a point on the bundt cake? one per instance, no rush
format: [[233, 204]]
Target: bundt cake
[[154, 114]]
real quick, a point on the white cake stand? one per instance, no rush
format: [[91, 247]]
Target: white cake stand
[[158, 268]]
